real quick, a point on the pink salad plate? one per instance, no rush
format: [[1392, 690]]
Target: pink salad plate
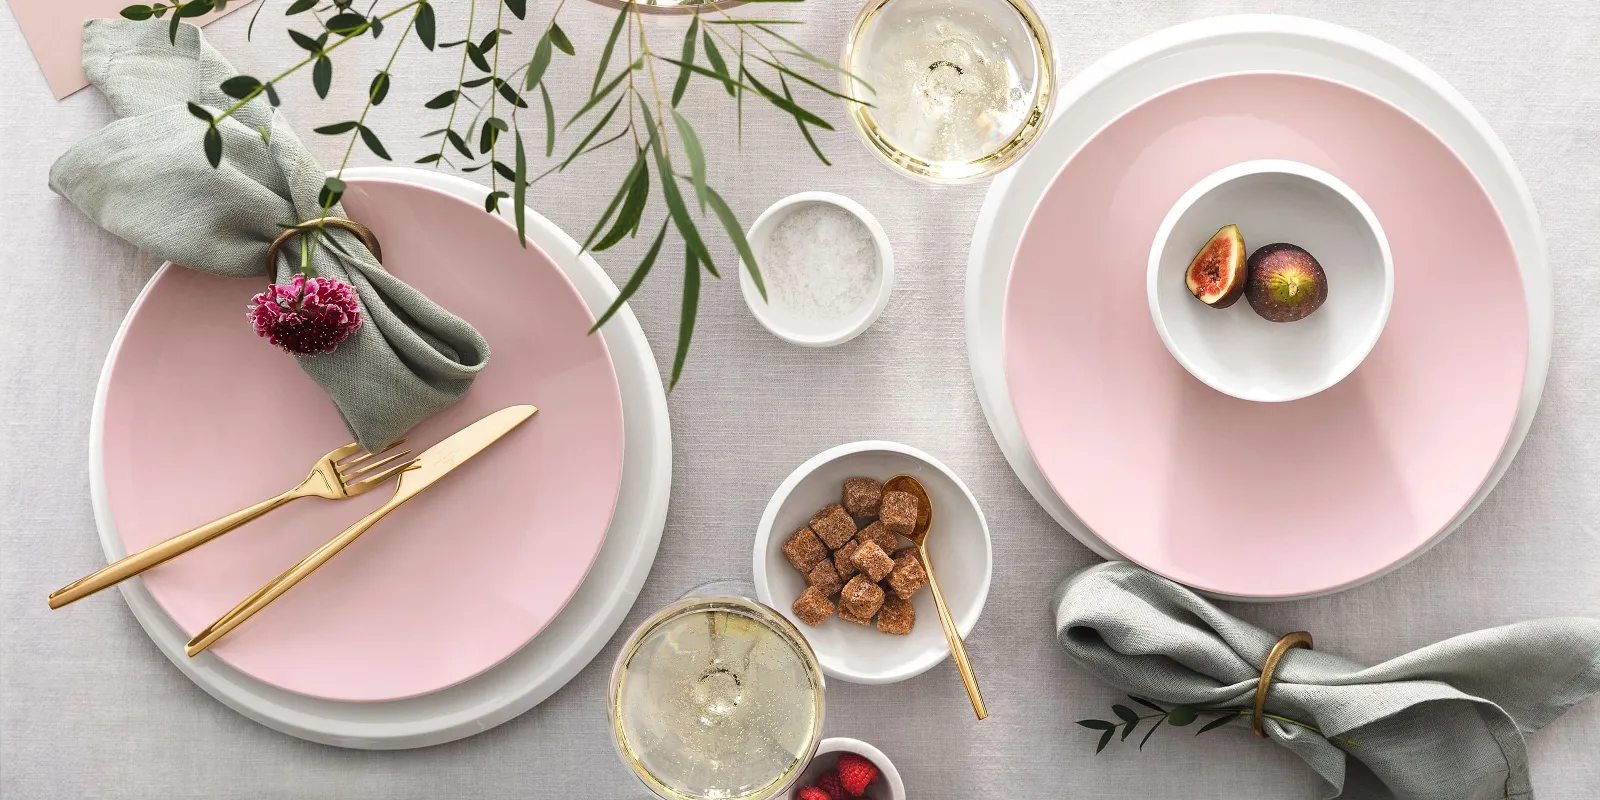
[[1260, 499], [202, 417]]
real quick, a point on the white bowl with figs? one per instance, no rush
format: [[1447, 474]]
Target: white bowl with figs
[[877, 623], [1306, 255]]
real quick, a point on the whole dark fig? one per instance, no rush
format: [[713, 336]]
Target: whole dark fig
[[1285, 283]]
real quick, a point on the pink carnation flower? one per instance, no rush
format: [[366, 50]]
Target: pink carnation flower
[[306, 316]]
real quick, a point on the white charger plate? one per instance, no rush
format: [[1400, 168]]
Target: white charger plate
[[1208, 48], [565, 646]]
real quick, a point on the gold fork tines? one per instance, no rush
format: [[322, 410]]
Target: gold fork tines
[[344, 472]]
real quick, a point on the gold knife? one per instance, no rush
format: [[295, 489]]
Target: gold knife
[[429, 467]]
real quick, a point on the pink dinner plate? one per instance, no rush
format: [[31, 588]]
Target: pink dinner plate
[[202, 417], [1261, 499]]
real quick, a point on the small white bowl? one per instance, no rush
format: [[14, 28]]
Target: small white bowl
[[958, 545], [888, 785], [1236, 351], [800, 329]]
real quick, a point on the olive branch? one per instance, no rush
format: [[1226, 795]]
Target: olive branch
[[1178, 717], [629, 103]]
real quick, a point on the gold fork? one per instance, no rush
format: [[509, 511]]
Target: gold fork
[[342, 473]]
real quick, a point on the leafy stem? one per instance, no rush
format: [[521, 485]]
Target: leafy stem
[[1127, 720]]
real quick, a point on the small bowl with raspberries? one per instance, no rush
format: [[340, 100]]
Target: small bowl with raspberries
[[847, 769]]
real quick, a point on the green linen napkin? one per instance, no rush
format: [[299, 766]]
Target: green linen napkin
[[1445, 722], [145, 178]]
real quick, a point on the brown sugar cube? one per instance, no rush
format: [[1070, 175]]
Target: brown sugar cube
[[841, 560], [833, 526], [871, 561], [897, 616], [849, 617], [877, 533], [812, 606], [898, 512], [825, 578], [861, 597], [908, 575], [861, 496], [804, 550]]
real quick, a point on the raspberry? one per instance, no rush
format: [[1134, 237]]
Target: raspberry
[[829, 782], [855, 773], [811, 793]]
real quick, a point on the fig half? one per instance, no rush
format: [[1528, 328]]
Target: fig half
[[1216, 275]]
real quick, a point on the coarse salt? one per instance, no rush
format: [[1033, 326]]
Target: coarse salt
[[820, 261]]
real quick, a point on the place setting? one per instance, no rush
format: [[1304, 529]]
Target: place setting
[[1258, 309]]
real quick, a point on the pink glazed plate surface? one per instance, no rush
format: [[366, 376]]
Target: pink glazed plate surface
[[202, 417], [1262, 499]]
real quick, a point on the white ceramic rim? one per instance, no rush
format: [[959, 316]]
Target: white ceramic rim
[[553, 657], [885, 285], [886, 769], [1264, 166], [1244, 43], [914, 666]]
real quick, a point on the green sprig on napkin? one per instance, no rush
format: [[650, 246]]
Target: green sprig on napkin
[[1445, 722], [141, 178]]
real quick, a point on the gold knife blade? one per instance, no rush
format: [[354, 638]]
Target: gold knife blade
[[434, 463]]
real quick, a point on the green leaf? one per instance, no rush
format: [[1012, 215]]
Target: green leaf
[[783, 70], [697, 69], [375, 24], [519, 8], [424, 24], [785, 104], [1217, 723], [272, 94], [634, 281], [336, 128], [1097, 724], [1105, 739], [510, 94], [1127, 730], [638, 183], [498, 124], [430, 158], [519, 192], [1180, 716], [611, 44], [490, 40], [476, 82], [691, 304], [371, 140], [213, 146], [504, 170], [549, 122], [730, 224], [1151, 732], [300, 7], [487, 138], [559, 37], [379, 88], [491, 203], [477, 58], [138, 12], [611, 208], [347, 23], [801, 52], [675, 206], [1128, 715], [720, 67], [334, 183], [458, 143], [200, 112], [172, 29], [322, 76], [540, 61], [689, 41], [599, 126], [193, 8], [601, 95], [1147, 704], [306, 43], [805, 132], [443, 100]]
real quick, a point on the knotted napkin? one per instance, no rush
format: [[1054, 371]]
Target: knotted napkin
[[145, 178], [1445, 722]]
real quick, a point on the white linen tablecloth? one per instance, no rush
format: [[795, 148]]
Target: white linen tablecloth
[[89, 708]]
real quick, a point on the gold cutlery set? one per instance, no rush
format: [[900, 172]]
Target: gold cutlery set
[[343, 473]]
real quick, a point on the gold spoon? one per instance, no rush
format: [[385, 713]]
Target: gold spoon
[[919, 537]]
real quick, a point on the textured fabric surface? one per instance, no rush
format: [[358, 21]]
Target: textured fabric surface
[[89, 708], [1445, 722], [142, 178]]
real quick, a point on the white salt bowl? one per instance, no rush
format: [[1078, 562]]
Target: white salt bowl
[[790, 324]]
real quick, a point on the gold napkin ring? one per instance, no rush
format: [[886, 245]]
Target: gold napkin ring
[[1284, 645], [360, 231]]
